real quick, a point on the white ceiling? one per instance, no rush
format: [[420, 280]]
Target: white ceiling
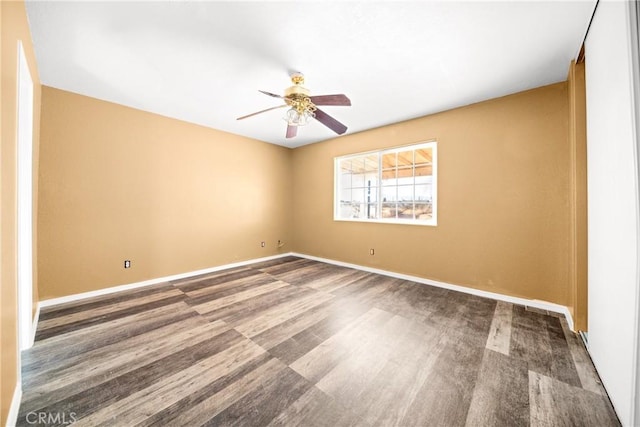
[[203, 62]]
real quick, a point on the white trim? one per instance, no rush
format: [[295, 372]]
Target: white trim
[[12, 417], [634, 45], [113, 289], [34, 325], [585, 338], [586, 30], [388, 221], [337, 196], [24, 199], [542, 305]]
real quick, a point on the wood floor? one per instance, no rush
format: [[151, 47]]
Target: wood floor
[[295, 342]]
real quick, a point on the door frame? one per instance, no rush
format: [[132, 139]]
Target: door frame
[[24, 142]]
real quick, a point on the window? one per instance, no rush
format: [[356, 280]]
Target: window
[[396, 185]]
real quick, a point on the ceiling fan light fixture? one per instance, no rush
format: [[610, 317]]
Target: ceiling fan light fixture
[[301, 111], [293, 117]]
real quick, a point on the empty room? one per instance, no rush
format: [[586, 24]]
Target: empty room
[[320, 213]]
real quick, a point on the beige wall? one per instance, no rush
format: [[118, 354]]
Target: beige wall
[[14, 28], [118, 183], [503, 196], [172, 197]]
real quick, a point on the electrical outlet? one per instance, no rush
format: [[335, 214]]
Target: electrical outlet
[[372, 252], [127, 263], [262, 244]]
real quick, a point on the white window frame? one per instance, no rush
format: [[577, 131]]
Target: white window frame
[[434, 193]]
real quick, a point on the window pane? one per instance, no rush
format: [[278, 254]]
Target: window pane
[[347, 210], [358, 195], [424, 170], [424, 155], [409, 180], [389, 161], [345, 180], [371, 179], [388, 178], [404, 164], [353, 210], [372, 211], [389, 210], [405, 193], [405, 210], [423, 211], [372, 194], [424, 179], [345, 166], [371, 163], [357, 180], [405, 173], [405, 158], [357, 164], [423, 193], [389, 194], [345, 195]]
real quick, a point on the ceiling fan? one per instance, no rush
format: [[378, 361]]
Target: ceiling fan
[[303, 107]]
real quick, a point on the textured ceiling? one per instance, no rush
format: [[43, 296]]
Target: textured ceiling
[[203, 62]]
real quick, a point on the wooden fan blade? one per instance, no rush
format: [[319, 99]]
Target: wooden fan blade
[[330, 122], [291, 131], [259, 112], [337, 99], [270, 94]]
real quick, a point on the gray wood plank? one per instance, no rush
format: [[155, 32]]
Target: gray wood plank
[[446, 394], [539, 340], [405, 372], [555, 403], [315, 408], [263, 404], [501, 393], [499, 338], [293, 341], [138, 406], [95, 389], [220, 400], [321, 360], [195, 403], [589, 378]]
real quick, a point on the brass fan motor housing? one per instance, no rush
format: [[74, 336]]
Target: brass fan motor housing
[[297, 90], [297, 96]]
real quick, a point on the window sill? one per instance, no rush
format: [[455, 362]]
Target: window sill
[[431, 223]]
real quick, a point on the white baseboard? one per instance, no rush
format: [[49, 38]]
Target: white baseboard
[[585, 338], [12, 417], [542, 305], [113, 289], [34, 326]]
